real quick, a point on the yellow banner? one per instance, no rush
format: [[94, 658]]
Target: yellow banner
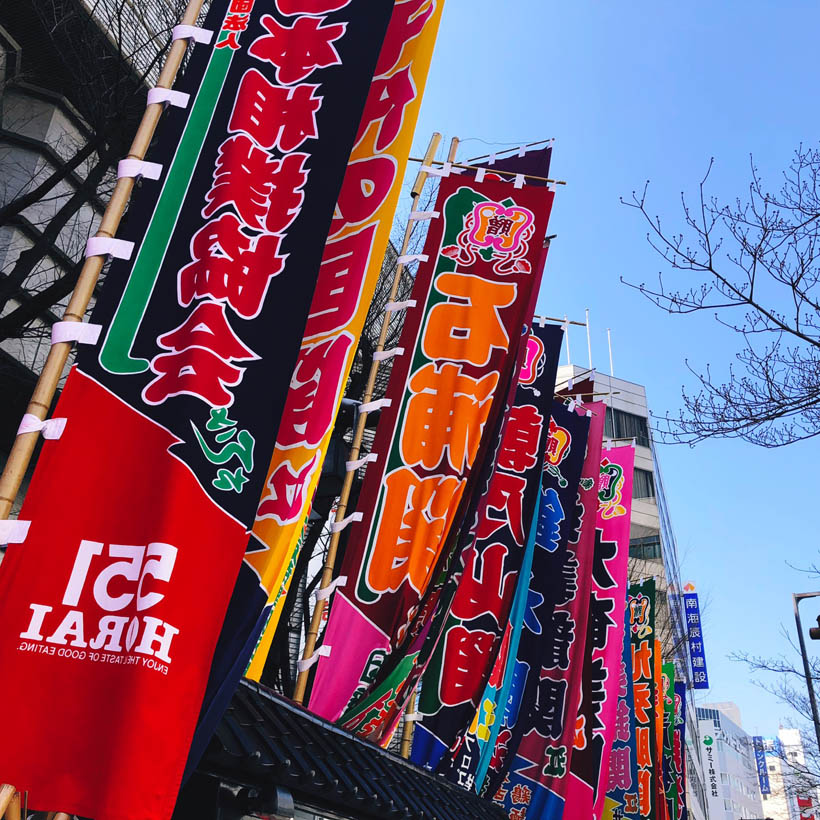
[[347, 280]]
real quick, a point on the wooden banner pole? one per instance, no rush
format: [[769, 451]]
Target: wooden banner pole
[[14, 808], [344, 497], [23, 448], [7, 793], [410, 709], [409, 725]]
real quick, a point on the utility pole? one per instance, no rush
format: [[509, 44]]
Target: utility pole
[[797, 598]]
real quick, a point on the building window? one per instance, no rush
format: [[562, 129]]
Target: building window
[[643, 484], [645, 548], [619, 424]]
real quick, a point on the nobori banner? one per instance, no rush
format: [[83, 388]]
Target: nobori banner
[[140, 513], [694, 631], [472, 294], [597, 713], [641, 801], [480, 595], [350, 269], [533, 744]]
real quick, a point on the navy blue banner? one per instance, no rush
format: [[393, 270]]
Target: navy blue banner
[[691, 609]]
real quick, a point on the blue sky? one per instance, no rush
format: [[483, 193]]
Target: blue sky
[[637, 91]]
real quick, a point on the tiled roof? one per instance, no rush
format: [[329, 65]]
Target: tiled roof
[[266, 740]]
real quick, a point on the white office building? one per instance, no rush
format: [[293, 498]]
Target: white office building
[[732, 787]]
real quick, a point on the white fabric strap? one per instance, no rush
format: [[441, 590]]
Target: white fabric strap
[[480, 174], [445, 170], [13, 532], [414, 716], [392, 307], [168, 96], [108, 246], [412, 257], [51, 428], [352, 466], [492, 159], [85, 333], [551, 186], [373, 406], [321, 652], [522, 150], [338, 526], [519, 181], [324, 594], [422, 215], [195, 33], [384, 355], [138, 168]]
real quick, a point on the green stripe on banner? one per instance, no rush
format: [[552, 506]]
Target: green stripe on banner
[[115, 355]]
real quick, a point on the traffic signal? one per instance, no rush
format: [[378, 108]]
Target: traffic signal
[[814, 632]]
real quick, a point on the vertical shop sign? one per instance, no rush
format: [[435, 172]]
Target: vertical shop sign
[[599, 691], [694, 629], [641, 621]]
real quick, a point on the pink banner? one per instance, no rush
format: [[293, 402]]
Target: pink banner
[[595, 727]]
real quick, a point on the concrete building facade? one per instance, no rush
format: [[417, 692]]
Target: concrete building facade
[[652, 549], [732, 787]]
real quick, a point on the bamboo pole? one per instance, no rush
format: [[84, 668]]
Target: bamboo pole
[[344, 497], [410, 709], [7, 793], [409, 725], [13, 810], [23, 448]]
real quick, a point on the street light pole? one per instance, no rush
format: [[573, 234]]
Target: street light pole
[[797, 598]]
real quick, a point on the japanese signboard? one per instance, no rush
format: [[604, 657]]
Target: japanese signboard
[[711, 774], [350, 268], [359, 236], [480, 595], [597, 712], [670, 782], [532, 748], [760, 764], [146, 502], [691, 611], [623, 760], [461, 345], [641, 803]]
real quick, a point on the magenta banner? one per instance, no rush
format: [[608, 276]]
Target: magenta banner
[[595, 725]]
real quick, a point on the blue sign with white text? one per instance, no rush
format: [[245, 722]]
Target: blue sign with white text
[[691, 611]]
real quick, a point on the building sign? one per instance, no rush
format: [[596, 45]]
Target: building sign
[[711, 774], [691, 610], [760, 762]]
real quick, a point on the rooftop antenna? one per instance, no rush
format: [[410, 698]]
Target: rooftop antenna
[[611, 373], [566, 336]]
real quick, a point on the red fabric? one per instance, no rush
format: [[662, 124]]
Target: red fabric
[[101, 725]]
